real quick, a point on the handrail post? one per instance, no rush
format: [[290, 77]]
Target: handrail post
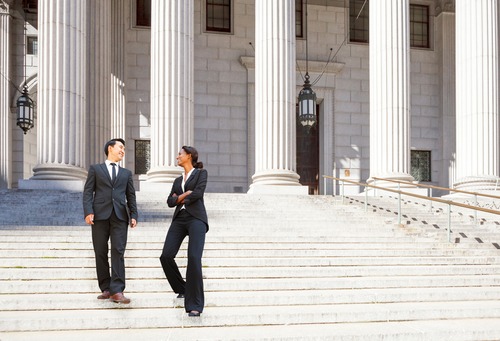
[[399, 209], [475, 211], [366, 199], [342, 195], [374, 189], [399, 204], [449, 223], [430, 199]]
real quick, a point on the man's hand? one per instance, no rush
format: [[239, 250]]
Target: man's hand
[[89, 219], [133, 223]]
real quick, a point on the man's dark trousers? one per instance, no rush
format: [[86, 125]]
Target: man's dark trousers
[[102, 230]]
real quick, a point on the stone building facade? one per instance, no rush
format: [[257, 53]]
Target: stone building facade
[[407, 89]]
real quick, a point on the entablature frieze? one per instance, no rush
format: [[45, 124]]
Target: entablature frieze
[[313, 66]]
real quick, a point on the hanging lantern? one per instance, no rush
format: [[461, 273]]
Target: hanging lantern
[[307, 105], [25, 111]]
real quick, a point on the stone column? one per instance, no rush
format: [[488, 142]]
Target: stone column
[[118, 64], [62, 76], [477, 75], [275, 97], [390, 91], [445, 44], [172, 105], [5, 95], [99, 79]]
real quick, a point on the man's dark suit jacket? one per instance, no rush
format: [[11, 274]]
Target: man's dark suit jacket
[[100, 195], [193, 203]]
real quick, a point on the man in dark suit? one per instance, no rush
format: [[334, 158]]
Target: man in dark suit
[[108, 204]]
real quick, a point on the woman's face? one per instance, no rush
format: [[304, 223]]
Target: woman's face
[[183, 158]]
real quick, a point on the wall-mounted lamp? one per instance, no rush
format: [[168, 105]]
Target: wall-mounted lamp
[[307, 97], [25, 111], [307, 104]]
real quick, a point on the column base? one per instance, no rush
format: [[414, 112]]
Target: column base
[[277, 182], [392, 176], [276, 177], [58, 172], [164, 174], [478, 183], [410, 187], [154, 187], [278, 189]]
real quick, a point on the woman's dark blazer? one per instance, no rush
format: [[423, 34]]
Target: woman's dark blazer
[[193, 203]]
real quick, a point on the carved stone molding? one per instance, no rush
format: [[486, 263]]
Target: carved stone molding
[[445, 6]]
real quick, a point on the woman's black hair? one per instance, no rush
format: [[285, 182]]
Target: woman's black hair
[[112, 143], [194, 156]]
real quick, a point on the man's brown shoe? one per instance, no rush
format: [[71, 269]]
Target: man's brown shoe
[[104, 296], [119, 298]]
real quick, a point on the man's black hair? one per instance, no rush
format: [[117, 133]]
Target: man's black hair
[[112, 143]]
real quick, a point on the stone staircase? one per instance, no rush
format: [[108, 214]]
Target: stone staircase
[[275, 267]]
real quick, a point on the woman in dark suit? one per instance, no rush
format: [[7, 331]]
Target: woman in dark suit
[[190, 218]]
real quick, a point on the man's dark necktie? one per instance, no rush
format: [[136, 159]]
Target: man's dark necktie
[[113, 172]]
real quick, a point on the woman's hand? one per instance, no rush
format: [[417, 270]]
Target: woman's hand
[[180, 198]]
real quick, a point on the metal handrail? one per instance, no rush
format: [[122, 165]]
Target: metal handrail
[[430, 187], [449, 203], [440, 188]]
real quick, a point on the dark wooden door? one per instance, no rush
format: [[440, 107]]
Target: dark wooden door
[[308, 154]]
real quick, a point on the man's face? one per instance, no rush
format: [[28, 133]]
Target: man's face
[[116, 152]]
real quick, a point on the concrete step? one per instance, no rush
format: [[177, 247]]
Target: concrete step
[[124, 316], [252, 261], [256, 284], [282, 267], [27, 274], [456, 329], [278, 297], [242, 250]]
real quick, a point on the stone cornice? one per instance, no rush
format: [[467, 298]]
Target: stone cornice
[[314, 66]]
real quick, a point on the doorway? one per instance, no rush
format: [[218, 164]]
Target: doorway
[[308, 153]]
